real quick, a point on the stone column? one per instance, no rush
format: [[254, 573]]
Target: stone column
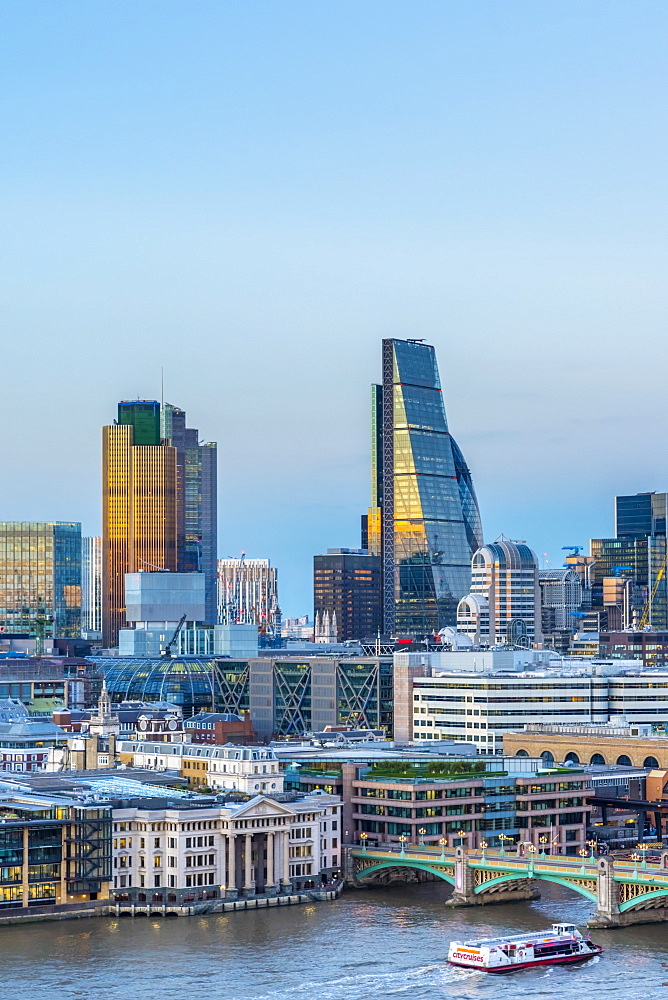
[[248, 849], [286, 859], [271, 874]]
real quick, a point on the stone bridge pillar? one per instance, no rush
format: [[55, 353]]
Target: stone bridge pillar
[[607, 907], [464, 891]]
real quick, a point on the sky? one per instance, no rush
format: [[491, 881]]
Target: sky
[[251, 195]]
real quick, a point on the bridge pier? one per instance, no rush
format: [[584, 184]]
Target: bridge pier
[[467, 880], [610, 911]]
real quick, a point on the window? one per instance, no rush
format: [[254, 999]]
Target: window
[[156, 841], [157, 862], [156, 881]]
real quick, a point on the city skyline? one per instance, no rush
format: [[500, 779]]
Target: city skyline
[[295, 578], [255, 201]]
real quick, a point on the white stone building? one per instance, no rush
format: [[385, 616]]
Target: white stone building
[[179, 851], [252, 770]]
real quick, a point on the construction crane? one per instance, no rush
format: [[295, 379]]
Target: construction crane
[[574, 550], [167, 651], [647, 610]]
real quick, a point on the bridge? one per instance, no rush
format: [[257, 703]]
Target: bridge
[[624, 892]]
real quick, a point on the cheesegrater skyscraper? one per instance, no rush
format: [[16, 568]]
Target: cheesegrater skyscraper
[[424, 520]]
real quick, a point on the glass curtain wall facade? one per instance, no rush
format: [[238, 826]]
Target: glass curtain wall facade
[[40, 577], [91, 585], [197, 500], [159, 506], [139, 514], [631, 578], [424, 519], [346, 595]]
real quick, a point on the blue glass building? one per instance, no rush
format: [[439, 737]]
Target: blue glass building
[[424, 519], [40, 577]]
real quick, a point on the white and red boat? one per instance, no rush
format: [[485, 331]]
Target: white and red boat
[[562, 945]]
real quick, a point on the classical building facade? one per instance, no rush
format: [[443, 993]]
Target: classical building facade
[[250, 770], [180, 852], [630, 745]]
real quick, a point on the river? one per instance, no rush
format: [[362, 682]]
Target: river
[[369, 945]]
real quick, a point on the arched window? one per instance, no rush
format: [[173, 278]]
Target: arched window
[[522, 753], [650, 762], [572, 757], [548, 757], [597, 758], [624, 759]]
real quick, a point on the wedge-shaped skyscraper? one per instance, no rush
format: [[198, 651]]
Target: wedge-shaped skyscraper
[[423, 520]]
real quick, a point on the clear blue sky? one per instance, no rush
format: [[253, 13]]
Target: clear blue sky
[[252, 194]]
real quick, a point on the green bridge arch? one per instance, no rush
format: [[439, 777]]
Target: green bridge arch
[[407, 863], [587, 893], [631, 903]]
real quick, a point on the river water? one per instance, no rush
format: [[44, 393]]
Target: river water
[[370, 944]]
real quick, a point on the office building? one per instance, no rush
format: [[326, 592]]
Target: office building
[[56, 850], [618, 743], [481, 705], [196, 501], [40, 578], [284, 695], [203, 849], [425, 796], [503, 605], [158, 511], [346, 595], [561, 606], [423, 521], [630, 583], [139, 513], [649, 647], [44, 683], [248, 594], [91, 588]]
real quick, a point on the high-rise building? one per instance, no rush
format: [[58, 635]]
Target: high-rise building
[[159, 504], [561, 605], [423, 521], [139, 512], [40, 577], [91, 586], [248, 594], [503, 606], [196, 493], [630, 582], [346, 595]]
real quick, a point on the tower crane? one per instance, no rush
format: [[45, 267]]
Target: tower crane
[[647, 610]]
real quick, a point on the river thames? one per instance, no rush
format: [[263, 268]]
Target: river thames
[[368, 945]]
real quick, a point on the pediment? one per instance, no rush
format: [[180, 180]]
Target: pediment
[[261, 807]]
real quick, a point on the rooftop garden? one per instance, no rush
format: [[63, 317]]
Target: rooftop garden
[[432, 771]]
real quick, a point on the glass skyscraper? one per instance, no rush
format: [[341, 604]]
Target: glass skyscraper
[[424, 520], [91, 586], [638, 557], [40, 578], [197, 501], [159, 504]]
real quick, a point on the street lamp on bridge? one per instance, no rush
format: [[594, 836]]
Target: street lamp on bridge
[[444, 843], [364, 837], [402, 841], [422, 832]]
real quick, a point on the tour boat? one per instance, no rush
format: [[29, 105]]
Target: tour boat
[[563, 944]]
